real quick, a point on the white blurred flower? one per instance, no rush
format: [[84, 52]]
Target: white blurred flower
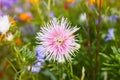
[[4, 24], [104, 18], [83, 17], [9, 37], [110, 34]]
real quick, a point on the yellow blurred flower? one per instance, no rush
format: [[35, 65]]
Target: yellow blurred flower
[[18, 42], [91, 2], [25, 17], [1, 37], [70, 1], [32, 1], [99, 3], [13, 22]]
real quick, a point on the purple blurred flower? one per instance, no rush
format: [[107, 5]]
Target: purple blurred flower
[[1, 13], [96, 21], [36, 67], [113, 18], [18, 9], [28, 30], [40, 53], [51, 15], [110, 34], [7, 3]]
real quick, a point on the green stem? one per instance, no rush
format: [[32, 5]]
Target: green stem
[[71, 73], [71, 70], [12, 65], [49, 1], [97, 40], [91, 72], [16, 78], [20, 76], [38, 11], [67, 71], [17, 56], [60, 72], [33, 78]]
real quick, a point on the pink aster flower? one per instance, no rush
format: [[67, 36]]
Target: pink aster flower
[[58, 38]]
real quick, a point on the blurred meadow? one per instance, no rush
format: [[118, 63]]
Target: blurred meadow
[[59, 39]]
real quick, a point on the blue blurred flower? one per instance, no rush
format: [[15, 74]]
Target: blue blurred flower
[[110, 34], [96, 21], [36, 67], [113, 18], [40, 53], [51, 14]]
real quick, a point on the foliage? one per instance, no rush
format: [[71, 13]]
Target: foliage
[[23, 57]]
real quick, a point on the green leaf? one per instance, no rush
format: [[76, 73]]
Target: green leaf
[[112, 65], [105, 56], [119, 50], [50, 74], [114, 49]]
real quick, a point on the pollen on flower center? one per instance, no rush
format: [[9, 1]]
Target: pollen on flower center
[[58, 40]]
